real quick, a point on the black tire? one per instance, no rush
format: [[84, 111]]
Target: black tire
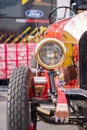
[[18, 99]]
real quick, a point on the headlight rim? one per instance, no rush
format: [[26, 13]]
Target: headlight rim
[[44, 42]]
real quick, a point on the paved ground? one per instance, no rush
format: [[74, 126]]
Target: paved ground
[[41, 125], [3, 104]]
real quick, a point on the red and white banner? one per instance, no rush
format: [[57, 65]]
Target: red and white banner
[[14, 55]]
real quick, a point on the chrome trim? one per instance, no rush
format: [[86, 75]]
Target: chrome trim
[[40, 80]]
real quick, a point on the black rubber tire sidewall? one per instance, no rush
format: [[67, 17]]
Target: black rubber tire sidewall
[[18, 98]]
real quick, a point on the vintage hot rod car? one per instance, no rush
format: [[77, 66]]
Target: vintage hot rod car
[[54, 87]]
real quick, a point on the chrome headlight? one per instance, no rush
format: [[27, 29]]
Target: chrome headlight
[[50, 53]]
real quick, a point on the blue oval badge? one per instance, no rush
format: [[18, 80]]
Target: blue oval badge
[[34, 13]]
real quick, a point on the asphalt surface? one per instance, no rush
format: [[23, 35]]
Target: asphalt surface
[[40, 125]]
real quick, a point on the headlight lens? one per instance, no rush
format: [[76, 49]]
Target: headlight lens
[[50, 53]]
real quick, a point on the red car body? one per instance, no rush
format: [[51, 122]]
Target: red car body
[[49, 82]]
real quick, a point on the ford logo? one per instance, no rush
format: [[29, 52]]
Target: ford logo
[[34, 13]]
